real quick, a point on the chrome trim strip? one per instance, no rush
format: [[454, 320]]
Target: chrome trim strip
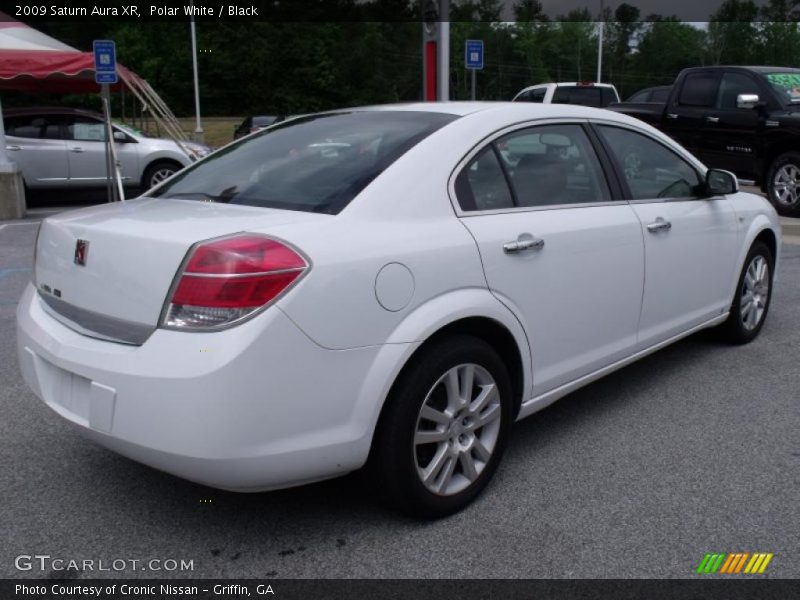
[[237, 275], [92, 324], [524, 209]]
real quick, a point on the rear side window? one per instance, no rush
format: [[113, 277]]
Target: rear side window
[[661, 95], [482, 185], [553, 164], [547, 165], [699, 89], [316, 164], [33, 126]]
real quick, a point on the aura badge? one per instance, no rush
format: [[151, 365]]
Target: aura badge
[[734, 563], [81, 252]]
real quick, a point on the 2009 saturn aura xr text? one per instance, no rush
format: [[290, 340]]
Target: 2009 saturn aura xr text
[[390, 286]]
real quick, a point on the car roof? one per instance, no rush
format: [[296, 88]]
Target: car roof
[[754, 68], [526, 110], [50, 110]]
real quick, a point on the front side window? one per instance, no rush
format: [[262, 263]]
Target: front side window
[[651, 170], [86, 129], [315, 164], [731, 86]]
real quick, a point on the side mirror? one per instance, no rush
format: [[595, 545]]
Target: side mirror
[[721, 183], [120, 136], [747, 100]]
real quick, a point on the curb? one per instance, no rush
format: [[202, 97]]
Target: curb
[[791, 227]]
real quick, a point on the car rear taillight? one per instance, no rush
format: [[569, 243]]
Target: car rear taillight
[[225, 281]]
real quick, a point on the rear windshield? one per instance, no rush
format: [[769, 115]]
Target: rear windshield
[[585, 96], [787, 84], [317, 163]]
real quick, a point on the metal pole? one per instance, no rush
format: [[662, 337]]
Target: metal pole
[[104, 92], [600, 45], [198, 130], [473, 84], [443, 70], [117, 190], [5, 162]]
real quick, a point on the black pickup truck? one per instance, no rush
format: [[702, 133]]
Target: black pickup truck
[[743, 119]]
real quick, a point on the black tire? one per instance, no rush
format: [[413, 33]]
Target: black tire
[[735, 329], [157, 172], [789, 206], [395, 457]]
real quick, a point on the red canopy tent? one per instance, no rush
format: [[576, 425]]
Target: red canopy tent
[[31, 61]]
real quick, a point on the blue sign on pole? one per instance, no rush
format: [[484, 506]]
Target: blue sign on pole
[[105, 61], [473, 54]]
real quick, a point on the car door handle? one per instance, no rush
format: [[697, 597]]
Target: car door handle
[[712, 119], [77, 149], [522, 245], [14, 148], [660, 224], [672, 115]]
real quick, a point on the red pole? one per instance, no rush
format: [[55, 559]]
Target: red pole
[[430, 71]]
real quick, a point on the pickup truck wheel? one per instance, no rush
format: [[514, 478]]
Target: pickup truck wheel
[[783, 184], [444, 428], [158, 172]]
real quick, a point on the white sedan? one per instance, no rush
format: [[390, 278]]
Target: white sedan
[[390, 286]]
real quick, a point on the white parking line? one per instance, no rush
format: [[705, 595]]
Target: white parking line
[[3, 226]]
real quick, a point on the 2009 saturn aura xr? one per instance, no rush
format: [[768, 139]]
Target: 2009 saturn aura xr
[[390, 286]]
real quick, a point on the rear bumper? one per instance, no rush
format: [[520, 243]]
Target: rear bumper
[[256, 407]]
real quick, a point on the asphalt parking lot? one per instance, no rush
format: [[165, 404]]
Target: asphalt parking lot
[[695, 449]]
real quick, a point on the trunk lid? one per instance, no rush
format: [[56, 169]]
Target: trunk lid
[[131, 252]]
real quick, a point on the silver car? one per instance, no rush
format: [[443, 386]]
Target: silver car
[[65, 148]]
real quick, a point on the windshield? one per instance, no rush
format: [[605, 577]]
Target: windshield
[[128, 129], [786, 83], [317, 163]]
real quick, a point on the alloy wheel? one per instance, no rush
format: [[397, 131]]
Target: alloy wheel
[[457, 429], [786, 185], [755, 292], [160, 175]]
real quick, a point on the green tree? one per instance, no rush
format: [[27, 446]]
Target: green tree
[[665, 47], [732, 33]]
